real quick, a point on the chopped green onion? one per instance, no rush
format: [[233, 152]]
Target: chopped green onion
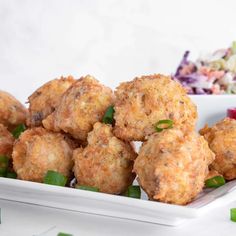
[[133, 191], [3, 172], [18, 130], [163, 124], [64, 234], [215, 182], [55, 178], [108, 117], [234, 47], [233, 214], [88, 188], [4, 162], [11, 175]]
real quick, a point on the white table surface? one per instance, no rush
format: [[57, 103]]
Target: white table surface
[[113, 40], [26, 220], [32, 220]]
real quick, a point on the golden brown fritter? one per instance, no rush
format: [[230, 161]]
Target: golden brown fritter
[[106, 163], [12, 112], [172, 166], [141, 103], [82, 105], [6, 141], [37, 151], [222, 141], [45, 99]]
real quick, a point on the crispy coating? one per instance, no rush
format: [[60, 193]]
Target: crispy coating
[[81, 106], [172, 166], [6, 141], [37, 151], [141, 103], [106, 163], [12, 112], [46, 98], [222, 141]]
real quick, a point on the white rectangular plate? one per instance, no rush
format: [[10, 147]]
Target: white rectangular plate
[[210, 110]]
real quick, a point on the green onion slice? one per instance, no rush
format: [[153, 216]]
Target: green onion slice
[[64, 234], [18, 130], [55, 178], [3, 172], [11, 175], [88, 188], [233, 214], [4, 162], [108, 117], [233, 47], [163, 124], [133, 191], [215, 182]]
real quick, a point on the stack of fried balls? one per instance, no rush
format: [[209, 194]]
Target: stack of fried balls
[[84, 131]]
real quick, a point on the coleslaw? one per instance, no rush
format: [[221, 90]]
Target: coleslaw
[[213, 74]]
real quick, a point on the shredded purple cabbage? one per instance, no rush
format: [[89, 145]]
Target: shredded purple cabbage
[[183, 62]]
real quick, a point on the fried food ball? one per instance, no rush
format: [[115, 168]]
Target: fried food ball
[[6, 141], [37, 151], [172, 166], [222, 141], [106, 163], [12, 112], [141, 103], [45, 99], [81, 106]]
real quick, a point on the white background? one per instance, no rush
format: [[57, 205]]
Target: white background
[[115, 41]]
